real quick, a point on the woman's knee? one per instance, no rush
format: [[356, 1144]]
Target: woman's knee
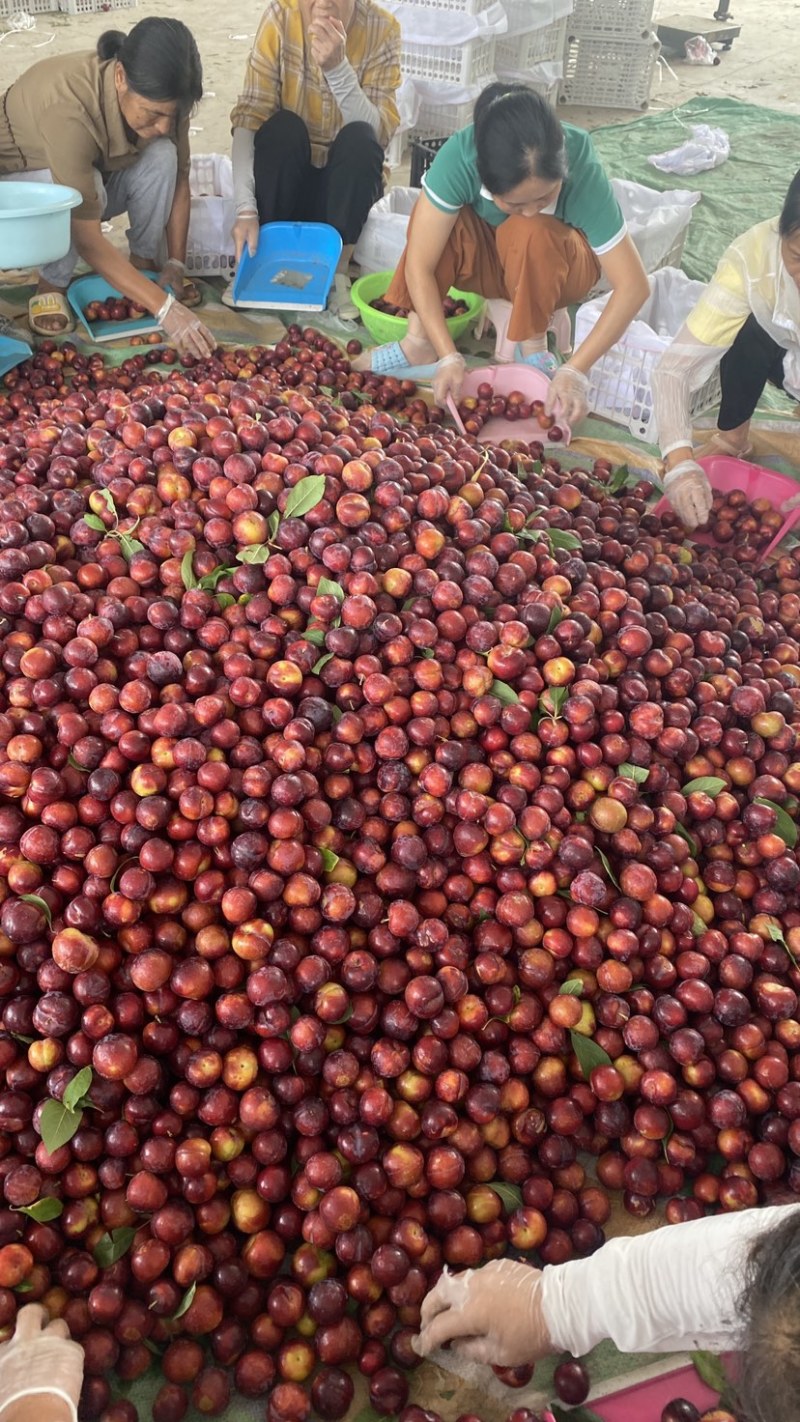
[[284, 129], [357, 142], [159, 157]]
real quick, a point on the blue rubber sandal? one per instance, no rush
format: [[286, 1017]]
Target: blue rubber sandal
[[392, 360], [543, 361]]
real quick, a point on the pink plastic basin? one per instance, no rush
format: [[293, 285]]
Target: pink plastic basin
[[646, 1401], [725, 474], [503, 379]]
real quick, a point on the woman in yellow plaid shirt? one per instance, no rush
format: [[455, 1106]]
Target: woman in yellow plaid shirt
[[313, 121], [747, 322]]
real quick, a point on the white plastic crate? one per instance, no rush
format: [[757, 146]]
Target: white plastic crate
[[471, 62], [91, 7], [620, 383], [438, 120], [520, 52], [626, 19], [30, 7], [525, 15], [603, 72], [453, 7], [209, 247]]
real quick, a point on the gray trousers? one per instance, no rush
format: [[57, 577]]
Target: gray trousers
[[146, 192]]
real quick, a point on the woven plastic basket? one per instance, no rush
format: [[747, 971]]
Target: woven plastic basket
[[92, 7], [29, 7], [603, 72], [521, 52], [624, 19], [469, 63]]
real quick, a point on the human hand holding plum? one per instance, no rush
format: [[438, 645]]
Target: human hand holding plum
[[567, 396], [491, 1315], [449, 377], [688, 490]]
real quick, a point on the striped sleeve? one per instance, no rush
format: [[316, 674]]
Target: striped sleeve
[[381, 78], [260, 97]]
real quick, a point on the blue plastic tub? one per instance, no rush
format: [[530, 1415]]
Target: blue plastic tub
[[12, 353], [34, 223], [96, 288], [293, 268]]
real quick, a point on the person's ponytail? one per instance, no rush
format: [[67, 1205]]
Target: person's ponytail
[[110, 43]]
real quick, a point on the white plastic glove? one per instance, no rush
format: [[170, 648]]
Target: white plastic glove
[[185, 329], [449, 377], [491, 1315], [689, 492], [173, 275], [245, 233], [568, 395], [40, 1360], [789, 504]]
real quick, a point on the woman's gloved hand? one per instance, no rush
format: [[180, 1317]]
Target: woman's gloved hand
[[491, 1315], [185, 329], [688, 490], [449, 377], [568, 396], [40, 1361]]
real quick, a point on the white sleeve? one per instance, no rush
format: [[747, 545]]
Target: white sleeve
[[244, 180], [683, 368], [670, 1291], [351, 101]]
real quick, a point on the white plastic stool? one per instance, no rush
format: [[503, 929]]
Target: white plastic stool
[[499, 313]]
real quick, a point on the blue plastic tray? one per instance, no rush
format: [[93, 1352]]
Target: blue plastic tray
[[292, 270], [12, 353], [96, 288]]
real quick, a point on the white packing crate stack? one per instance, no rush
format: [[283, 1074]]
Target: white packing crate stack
[[447, 57], [532, 51], [611, 54], [209, 248]]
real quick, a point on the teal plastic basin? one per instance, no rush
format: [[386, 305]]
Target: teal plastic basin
[[34, 223]]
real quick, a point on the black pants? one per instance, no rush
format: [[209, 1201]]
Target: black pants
[[290, 189], [753, 359]]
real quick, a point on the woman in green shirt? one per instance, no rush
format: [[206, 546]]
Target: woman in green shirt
[[515, 207]]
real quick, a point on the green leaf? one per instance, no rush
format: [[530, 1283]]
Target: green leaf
[[511, 1195], [187, 570], [185, 1304], [48, 1208], [785, 827], [711, 1371], [315, 636], [225, 600], [305, 496], [573, 987], [337, 713], [209, 581], [776, 934], [58, 1125], [552, 700], [329, 860], [112, 1245], [73, 762], [503, 692], [323, 662], [273, 524], [40, 904], [639, 773], [619, 479], [699, 925], [573, 1414], [327, 588], [589, 1054], [129, 546], [23, 1288], [609, 871], [108, 497], [256, 553], [427, 651], [75, 1091], [123, 864], [689, 838], [705, 784], [562, 538], [94, 521], [557, 615]]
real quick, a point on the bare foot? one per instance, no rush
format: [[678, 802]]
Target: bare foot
[[51, 325]]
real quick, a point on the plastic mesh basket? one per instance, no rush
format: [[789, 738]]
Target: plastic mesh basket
[[620, 390], [522, 51], [607, 73], [92, 7], [626, 19], [209, 246], [468, 63], [438, 120], [30, 7]]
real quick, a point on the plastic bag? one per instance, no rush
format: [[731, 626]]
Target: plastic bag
[[383, 235], [706, 149], [699, 51], [655, 222]]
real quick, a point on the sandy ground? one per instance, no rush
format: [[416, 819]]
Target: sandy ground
[[762, 67]]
